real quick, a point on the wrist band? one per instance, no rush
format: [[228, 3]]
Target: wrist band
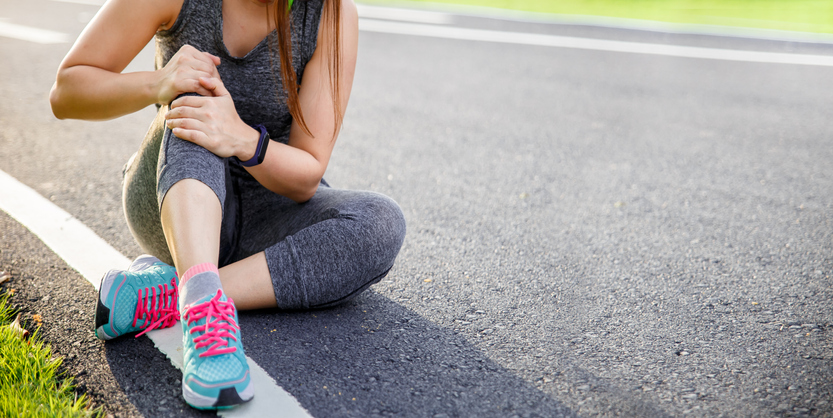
[[260, 153]]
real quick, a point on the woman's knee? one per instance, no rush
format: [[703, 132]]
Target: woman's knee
[[390, 223], [381, 232], [352, 249], [180, 160]]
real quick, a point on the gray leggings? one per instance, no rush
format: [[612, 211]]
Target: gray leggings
[[320, 253]]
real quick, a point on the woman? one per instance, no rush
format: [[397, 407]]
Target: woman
[[227, 185]]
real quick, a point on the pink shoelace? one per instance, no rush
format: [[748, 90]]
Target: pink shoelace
[[157, 306], [218, 327]]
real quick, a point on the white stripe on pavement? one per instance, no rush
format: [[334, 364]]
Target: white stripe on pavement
[[84, 2], [447, 32], [28, 33], [92, 257], [460, 10], [406, 15], [73, 241], [444, 13], [44, 36]]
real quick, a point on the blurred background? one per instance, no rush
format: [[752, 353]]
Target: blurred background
[[792, 15]]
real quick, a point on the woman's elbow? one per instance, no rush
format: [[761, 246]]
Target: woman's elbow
[[303, 195], [305, 191], [55, 102]]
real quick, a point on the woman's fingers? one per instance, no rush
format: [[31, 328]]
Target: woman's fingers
[[190, 51], [214, 59], [190, 101], [204, 67], [191, 135], [179, 113], [190, 130], [215, 84], [199, 89], [203, 62], [184, 71], [192, 86], [184, 123]]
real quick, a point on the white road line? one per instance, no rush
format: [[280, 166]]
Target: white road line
[[84, 2], [405, 15], [28, 33], [73, 241], [447, 32], [91, 256], [617, 22], [367, 11]]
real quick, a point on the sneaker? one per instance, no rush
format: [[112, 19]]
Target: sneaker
[[216, 374], [143, 297]]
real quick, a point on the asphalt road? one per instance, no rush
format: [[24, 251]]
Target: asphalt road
[[589, 233]]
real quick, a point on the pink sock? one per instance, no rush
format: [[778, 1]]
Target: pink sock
[[197, 283], [195, 270]]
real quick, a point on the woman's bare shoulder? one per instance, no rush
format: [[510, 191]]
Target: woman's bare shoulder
[[163, 12], [348, 20], [119, 31], [349, 12]]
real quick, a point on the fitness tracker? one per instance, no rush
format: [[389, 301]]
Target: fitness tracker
[[262, 143]]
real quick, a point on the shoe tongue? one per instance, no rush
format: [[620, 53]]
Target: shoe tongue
[[198, 287]]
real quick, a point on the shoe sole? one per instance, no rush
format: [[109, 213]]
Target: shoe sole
[[228, 398]]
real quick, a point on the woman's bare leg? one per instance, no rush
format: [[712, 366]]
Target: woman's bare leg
[[191, 217], [248, 282]]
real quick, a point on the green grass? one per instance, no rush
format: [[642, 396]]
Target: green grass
[[794, 15], [30, 385]]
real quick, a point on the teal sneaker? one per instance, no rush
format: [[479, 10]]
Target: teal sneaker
[[143, 297], [216, 374]]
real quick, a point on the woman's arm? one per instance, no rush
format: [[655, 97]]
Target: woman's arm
[[295, 169], [89, 84]]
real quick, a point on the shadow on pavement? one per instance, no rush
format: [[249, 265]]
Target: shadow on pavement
[[147, 377], [370, 357], [373, 357]]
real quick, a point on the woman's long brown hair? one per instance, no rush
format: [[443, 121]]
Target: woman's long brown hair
[[331, 17]]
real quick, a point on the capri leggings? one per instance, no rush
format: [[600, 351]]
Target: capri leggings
[[320, 253]]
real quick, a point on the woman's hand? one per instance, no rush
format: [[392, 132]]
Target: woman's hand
[[213, 122], [182, 74]]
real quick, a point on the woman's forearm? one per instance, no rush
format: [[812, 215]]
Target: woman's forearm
[[91, 93], [290, 172]]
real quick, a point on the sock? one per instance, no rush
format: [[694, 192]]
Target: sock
[[198, 282]]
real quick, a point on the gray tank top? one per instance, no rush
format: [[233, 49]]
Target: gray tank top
[[254, 83], [254, 80]]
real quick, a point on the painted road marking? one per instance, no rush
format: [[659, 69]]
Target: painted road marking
[[28, 33], [619, 22], [405, 15], [433, 30], [447, 32], [444, 13], [92, 257], [84, 2]]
